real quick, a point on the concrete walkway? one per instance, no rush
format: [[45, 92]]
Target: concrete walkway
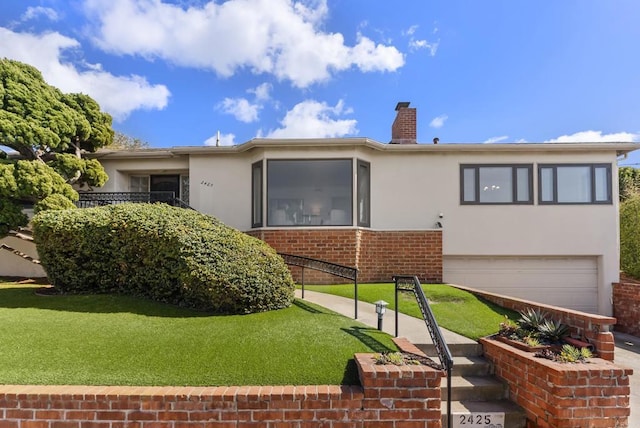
[[414, 329]]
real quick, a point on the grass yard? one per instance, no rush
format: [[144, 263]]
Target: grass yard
[[119, 340], [454, 309]]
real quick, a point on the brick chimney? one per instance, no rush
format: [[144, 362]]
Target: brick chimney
[[404, 128]]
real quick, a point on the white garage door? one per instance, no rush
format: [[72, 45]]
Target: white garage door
[[570, 282]]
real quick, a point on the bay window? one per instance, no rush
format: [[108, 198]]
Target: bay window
[[309, 192]]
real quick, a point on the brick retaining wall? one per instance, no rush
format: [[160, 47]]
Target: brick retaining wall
[[592, 328], [378, 255], [390, 397], [562, 395], [626, 307]]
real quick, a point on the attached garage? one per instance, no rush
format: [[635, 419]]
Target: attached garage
[[570, 282]]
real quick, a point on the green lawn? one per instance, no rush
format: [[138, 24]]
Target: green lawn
[[454, 309], [118, 340]]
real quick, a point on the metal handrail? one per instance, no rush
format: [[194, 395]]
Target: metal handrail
[[412, 283], [342, 271]]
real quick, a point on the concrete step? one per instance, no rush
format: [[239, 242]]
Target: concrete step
[[514, 415], [471, 366], [457, 349], [474, 388]]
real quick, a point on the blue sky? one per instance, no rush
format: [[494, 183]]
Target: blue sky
[[175, 72]]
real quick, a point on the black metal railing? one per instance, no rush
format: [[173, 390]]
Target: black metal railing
[[412, 284], [342, 271], [96, 199]]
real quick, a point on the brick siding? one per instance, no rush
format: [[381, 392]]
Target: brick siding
[[378, 255], [594, 394], [591, 328], [390, 396], [626, 307]]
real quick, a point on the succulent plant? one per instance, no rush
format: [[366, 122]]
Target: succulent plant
[[553, 331], [531, 319]]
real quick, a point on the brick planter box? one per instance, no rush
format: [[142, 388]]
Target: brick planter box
[[562, 395], [596, 330], [390, 397]]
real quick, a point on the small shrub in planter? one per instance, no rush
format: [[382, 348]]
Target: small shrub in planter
[[568, 354], [534, 329], [163, 253]]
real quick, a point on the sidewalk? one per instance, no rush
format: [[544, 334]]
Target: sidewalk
[[414, 329], [628, 355]]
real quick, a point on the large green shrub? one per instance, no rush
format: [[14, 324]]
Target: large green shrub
[[630, 236], [164, 253]]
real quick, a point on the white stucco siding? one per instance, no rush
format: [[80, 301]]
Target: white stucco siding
[[221, 186], [409, 191], [119, 170]]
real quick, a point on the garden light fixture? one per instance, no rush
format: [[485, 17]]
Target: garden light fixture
[[381, 308]]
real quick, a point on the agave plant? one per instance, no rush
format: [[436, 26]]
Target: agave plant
[[553, 331], [531, 320]]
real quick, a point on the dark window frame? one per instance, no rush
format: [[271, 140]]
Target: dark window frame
[[367, 165], [257, 168], [514, 182], [592, 179]]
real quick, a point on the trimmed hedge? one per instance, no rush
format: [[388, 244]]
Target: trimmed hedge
[[630, 236], [163, 253]]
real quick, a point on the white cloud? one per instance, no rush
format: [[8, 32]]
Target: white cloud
[[597, 137], [225, 140], [438, 122], [411, 30], [313, 119], [418, 44], [117, 95], [432, 47], [241, 109], [280, 37], [35, 12], [261, 91], [499, 139]]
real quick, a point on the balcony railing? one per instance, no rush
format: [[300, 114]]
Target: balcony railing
[[96, 199]]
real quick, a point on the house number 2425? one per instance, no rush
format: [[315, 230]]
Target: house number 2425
[[475, 419], [479, 420]]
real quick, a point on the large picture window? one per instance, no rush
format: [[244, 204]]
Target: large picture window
[[574, 184], [310, 192], [496, 184]]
